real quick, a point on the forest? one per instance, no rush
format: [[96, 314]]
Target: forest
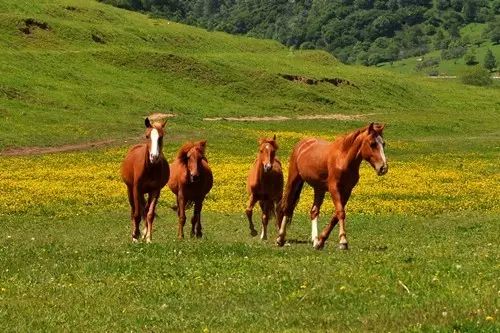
[[355, 31]]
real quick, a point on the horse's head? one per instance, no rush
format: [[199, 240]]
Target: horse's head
[[193, 157], [267, 152], [372, 148], [154, 136]]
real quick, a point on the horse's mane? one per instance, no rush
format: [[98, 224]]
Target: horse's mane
[[348, 139], [270, 141], [184, 150]]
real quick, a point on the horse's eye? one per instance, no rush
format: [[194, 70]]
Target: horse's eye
[[373, 145], [147, 136]]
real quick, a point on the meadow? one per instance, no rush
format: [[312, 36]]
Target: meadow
[[423, 239]]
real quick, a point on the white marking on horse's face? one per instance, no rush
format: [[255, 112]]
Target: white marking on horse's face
[[267, 163], [154, 153], [381, 169]]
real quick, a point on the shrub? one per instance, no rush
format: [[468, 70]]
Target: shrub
[[490, 62], [476, 76], [427, 63]]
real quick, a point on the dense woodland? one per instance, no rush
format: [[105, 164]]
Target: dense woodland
[[355, 31]]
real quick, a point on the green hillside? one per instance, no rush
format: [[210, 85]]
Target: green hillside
[[423, 254], [60, 86]]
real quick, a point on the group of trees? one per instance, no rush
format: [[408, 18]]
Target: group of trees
[[355, 31]]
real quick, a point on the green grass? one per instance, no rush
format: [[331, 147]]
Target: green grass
[[82, 274], [67, 263]]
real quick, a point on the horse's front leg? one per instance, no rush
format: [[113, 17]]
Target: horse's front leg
[[150, 215], [136, 200], [338, 216], [248, 212], [266, 206], [181, 213], [196, 220]]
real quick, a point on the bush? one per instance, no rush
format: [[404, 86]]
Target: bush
[[427, 63], [490, 62], [476, 76]]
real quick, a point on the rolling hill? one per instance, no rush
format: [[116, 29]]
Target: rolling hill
[[78, 74], [76, 71]]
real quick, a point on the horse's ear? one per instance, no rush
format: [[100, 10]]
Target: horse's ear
[[203, 144], [371, 128], [274, 137], [147, 122], [380, 128]]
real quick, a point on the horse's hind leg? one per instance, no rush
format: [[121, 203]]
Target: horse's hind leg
[[196, 220], [150, 215], [288, 203], [248, 212]]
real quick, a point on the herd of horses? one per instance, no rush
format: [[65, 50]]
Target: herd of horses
[[325, 166]]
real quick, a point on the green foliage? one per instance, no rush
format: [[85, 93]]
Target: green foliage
[[476, 76], [470, 57], [490, 62], [427, 63], [412, 27], [455, 50]]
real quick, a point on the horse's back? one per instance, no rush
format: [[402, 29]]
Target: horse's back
[[309, 160]]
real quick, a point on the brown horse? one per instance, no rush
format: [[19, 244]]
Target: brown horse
[[265, 184], [190, 181], [333, 167], [145, 170]]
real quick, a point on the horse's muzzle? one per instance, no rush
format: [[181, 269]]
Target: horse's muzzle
[[194, 178], [383, 170], [267, 167], [154, 158]]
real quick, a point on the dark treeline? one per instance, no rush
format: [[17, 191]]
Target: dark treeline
[[355, 31]]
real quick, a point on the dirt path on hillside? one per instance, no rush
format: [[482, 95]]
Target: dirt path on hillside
[[25, 151], [304, 117]]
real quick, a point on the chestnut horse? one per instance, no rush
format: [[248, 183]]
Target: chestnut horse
[[191, 180], [145, 170], [333, 167], [265, 184]]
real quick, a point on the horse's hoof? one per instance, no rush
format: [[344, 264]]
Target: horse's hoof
[[280, 241], [148, 240], [253, 233], [343, 246], [317, 244], [199, 235], [263, 238], [135, 240]]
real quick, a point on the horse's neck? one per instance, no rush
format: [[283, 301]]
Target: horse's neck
[[352, 152], [260, 168]]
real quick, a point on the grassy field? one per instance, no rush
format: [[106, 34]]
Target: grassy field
[[423, 239]]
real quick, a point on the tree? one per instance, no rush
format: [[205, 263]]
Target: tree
[[470, 10], [470, 57], [490, 62]]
